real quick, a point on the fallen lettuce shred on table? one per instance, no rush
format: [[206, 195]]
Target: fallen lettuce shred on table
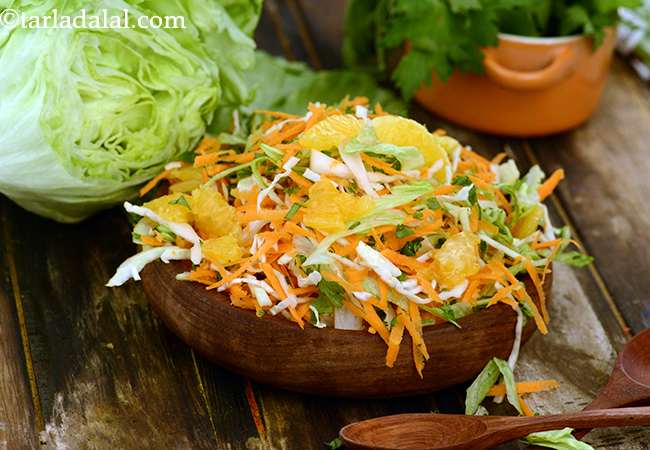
[[352, 218]]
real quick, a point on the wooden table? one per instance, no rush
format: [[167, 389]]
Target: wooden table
[[84, 366]]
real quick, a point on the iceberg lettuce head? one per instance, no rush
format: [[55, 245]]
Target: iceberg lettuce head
[[87, 115]]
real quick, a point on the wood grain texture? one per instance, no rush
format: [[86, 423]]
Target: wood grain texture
[[607, 164], [107, 372], [18, 428], [277, 352]]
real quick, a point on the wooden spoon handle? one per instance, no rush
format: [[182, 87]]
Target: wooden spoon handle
[[504, 429]]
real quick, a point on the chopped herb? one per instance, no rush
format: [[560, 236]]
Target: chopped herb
[[418, 215], [353, 225], [187, 157], [166, 233], [133, 218], [293, 211], [260, 313], [181, 200], [403, 231], [461, 180], [472, 197], [402, 277], [393, 322], [291, 190], [433, 203], [575, 259], [330, 296], [334, 444], [136, 236], [483, 248], [411, 247]]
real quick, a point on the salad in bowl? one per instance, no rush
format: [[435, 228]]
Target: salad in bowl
[[352, 218]]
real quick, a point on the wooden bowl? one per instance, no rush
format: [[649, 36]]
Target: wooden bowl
[[275, 351]]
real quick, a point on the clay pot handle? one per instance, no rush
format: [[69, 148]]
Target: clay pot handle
[[561, 67]]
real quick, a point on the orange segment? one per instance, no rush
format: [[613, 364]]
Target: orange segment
[[213, 216], [174, 212], [404, 132], [457, 259], [331, 132]]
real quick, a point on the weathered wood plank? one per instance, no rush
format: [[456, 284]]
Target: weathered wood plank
[[107, 372], [607, 165], [18, 420]]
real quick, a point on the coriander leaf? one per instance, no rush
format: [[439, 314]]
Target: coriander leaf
[[416, 68], [433, 203], [330, 296], [461, 180], [411, 247], [451, 313], [575, 259], [403, 231], [472, 196], [181, 200], [334, 444]]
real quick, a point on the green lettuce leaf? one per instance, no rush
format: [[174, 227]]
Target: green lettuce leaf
[[557, 439], [511, 386], [479, 388], [281, 85], [88, 115]]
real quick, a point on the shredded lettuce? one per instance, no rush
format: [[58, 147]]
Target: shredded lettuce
[[557, 439], [485, 380], [409, 157], [509, 381], [479, 388], [402, 195]]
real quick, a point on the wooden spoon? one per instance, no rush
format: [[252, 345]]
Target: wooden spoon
[[456, 432], [629, 383]]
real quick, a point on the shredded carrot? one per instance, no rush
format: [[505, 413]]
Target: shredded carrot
[[206, 160], [154, 181], [394, 341], [547, 244], [402, 260], [380, 164], [499, 157], [446, 189], [532, 272], [148, 240], [525, 387], [208, 143], [281, 115], [549, 185], [525, 408], [373, 319]]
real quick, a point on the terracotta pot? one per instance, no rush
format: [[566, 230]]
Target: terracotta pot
[[531, 86]]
